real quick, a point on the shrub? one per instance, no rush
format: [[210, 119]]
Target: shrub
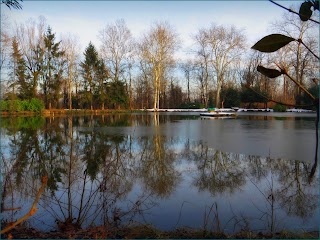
[[15, 106], [3, 105], [231, 97], [194, 105], [23, 105], [36, 105], [33, 105], [279, 108]]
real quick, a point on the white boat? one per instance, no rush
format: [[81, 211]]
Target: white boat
[[299, 110], [255, 110], [219, 112]]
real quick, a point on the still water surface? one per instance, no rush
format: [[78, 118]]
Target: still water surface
[[170, 170]]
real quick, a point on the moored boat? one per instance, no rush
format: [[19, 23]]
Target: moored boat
[[219, 112]]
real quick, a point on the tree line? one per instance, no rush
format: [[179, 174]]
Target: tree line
[[128, 73]]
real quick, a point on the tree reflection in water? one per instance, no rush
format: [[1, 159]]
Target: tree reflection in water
[[98, 177], [156, 165], [218, 171], [286, 187], [296, 195]]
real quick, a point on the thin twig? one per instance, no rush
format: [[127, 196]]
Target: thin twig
[[11, 209], [258, 189], [290, 10], [300, 86], [180, 213], [217, 218], [300, 41], [272, 100]]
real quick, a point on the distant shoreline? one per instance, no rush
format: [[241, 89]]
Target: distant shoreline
[[62, 112], [53, 112]]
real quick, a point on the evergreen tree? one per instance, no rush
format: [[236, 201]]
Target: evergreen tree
[[89, 72], [230, 97], [53, 69], [251, 97], [19, 77], [35, 65], [117, 93], [102, 74]]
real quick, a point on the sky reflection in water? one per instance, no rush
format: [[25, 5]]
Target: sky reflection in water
[[168, 170]]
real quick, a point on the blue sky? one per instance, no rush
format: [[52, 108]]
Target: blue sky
[[86, 18]]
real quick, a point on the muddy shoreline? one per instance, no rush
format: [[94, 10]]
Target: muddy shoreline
[[147, 231]]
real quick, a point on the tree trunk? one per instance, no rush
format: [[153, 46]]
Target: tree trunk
[[70, 94], [218, 93]]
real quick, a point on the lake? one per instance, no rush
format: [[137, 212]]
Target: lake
[[169, 170]]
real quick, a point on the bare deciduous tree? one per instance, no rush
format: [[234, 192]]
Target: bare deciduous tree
[[187, 68], [299, 61], [116, 48], [202, 64], [143, 86], [157, 49], [30, 37], [71, 47], [226, 47], [5, 39]]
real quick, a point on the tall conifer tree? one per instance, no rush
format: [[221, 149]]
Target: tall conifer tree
[[53, 69], [89, 72]]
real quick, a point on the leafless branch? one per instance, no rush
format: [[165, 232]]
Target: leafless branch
[[290, 10], [300, 41], [272, 100]]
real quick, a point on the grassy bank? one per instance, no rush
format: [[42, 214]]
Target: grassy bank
[[146, 231], [84, 111], [63, 112]]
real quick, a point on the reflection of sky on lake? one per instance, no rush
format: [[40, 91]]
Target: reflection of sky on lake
[[275, 138], [231, 163]]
